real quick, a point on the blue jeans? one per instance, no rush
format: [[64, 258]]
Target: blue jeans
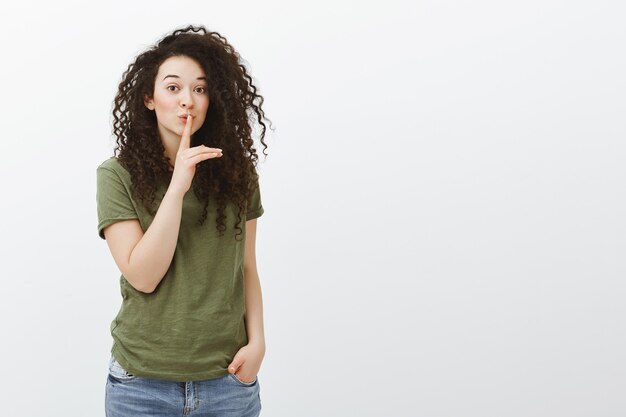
[[132, 396]]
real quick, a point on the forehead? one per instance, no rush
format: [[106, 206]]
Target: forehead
[[182, 66]]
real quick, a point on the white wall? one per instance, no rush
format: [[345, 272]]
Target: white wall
[[444, 195]]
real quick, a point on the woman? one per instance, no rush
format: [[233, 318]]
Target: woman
[[189, 334]]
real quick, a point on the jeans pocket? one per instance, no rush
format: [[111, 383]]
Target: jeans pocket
[[240, 382], [117, 372]]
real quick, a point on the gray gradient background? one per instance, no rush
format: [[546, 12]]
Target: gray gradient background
[[444, 195]]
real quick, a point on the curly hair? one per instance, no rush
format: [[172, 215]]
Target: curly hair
[[227, 124]]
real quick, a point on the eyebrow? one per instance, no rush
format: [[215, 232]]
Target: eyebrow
[[176, 76]]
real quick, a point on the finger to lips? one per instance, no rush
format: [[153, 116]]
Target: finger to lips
[[185, 140]]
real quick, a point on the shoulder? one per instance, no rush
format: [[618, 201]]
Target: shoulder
[[111, 173], [112, 164], [254, 179]]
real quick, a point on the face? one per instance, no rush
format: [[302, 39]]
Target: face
[[180, 85]]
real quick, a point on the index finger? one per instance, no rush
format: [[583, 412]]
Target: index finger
[[185, 139]]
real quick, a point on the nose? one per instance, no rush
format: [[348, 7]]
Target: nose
[[185, 99]]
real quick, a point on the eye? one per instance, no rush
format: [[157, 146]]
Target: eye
[[203, 89], [168, 87]]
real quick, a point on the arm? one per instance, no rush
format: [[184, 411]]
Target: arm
[[142, 258], [145, 258], [252, 290]]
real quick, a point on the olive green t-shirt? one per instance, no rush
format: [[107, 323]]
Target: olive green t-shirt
[[193, 324]]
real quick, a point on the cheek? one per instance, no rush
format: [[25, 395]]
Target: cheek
[[202, 108], [164, 102]]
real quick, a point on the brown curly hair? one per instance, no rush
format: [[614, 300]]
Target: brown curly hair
[[227, 124]]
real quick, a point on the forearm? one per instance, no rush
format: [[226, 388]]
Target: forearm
[[152, 256], [254, 308]]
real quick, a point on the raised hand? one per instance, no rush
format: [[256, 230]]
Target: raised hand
[[187, 158]]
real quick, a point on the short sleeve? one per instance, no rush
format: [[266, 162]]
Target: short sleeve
[[255, 208], [112, 200]]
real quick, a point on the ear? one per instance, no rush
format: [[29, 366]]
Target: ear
[[148, 102]]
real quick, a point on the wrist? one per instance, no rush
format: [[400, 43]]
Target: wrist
[[258, 343], [175, 192]]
